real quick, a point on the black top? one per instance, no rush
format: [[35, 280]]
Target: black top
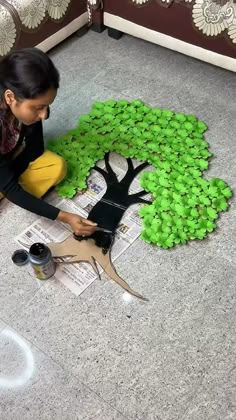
[[11, 169]]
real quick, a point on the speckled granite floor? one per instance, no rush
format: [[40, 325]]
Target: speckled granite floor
[[97, 357]]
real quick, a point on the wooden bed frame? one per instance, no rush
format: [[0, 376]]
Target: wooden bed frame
[[204, 29], [24, 24]]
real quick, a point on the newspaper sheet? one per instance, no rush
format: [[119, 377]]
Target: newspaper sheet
[[77, 277]]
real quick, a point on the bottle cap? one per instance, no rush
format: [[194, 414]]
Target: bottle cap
[[20, 257], [38, 250]]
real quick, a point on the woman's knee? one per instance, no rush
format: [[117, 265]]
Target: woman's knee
[[60, 169]]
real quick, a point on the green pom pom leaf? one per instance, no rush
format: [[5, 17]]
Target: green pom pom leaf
[[212, 213], [220, 204], [202, 164], [67, 191], [227, 192], [180, 210], [163, 182], [180, 117], [200, 234], [213, 192], [201, 126], [188, 126]]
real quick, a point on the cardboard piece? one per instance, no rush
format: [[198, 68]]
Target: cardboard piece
[[87, 251]]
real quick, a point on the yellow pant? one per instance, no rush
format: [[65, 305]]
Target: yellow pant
[[43, 173]]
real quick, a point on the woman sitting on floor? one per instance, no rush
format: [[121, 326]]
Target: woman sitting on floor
[[28, 85]]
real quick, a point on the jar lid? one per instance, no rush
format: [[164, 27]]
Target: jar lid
[[38, 250], [20, 257]]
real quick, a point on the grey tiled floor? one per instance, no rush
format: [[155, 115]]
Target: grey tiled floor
[[97, 356]]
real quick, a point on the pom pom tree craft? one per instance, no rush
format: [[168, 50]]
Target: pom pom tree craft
[[185, 204]]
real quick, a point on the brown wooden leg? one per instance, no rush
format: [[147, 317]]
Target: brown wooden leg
[[97, 21]]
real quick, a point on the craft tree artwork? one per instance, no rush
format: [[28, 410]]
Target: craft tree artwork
[[107, 213], [212, 17], [185, 205]]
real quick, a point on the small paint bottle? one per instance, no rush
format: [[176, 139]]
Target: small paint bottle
[[41, 260]]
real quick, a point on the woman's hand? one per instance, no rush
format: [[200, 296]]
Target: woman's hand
[[79, 225]]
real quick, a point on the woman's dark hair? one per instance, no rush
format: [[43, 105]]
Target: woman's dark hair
[[28, 73]]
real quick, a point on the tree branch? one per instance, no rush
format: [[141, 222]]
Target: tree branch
[[102, 172], [132, 172], [139, 168], [111, 174], [139, 194]]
